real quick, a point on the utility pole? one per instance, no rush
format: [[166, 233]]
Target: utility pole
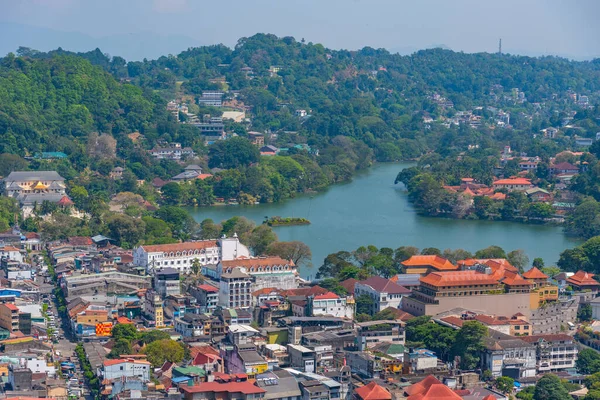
[[500, 47]]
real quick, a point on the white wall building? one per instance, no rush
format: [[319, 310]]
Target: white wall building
[[235, 289], [117, 369], [11, 253], [181, 255], [267, 272], [331, 304], [384, 292]]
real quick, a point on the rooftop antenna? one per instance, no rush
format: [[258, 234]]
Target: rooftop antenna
[[500, 47]]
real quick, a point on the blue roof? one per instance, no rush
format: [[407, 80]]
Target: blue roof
[[180, 379]]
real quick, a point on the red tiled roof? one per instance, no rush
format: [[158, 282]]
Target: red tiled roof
[[383, 285], [399, 314], [205, 349], [559, 337], [513, 181], [124, 320], [373, 391], [348, 284], [498, 196], [452, 320], [8, 248], [80, 241], [311, 291], [436, 262], [208, 288], [534, 273], [458, 278], [65, 201], [254, 262], [265, 291], [565, 166], [187, 246], [231, 387], [203, 176], [582, 278], [327, 296]]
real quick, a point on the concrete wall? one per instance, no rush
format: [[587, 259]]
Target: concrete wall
[[498, 304], [551, 317]]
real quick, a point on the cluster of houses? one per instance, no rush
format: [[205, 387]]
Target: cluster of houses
[[256, 329]]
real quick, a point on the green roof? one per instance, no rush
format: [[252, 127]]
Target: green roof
[[187, 371]]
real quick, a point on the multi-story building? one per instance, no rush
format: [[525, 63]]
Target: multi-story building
[[494, 285], [114, 282], [373, 332], [384, 292], [181, 256], [22, 183], [166, 282], [211, 98], [506, 355], [267, 272], [330, 304], [302, 357], [175, 152], [193, 325], [554, 352], [9, 317], [125, 368], [235, 289], [583, 281], [152, 308], [510, 184], [207, 297]]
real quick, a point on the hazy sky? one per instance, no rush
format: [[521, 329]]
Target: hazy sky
[[564, 27]]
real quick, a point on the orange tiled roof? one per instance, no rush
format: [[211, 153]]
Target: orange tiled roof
[[582, 278], [458, 278], [327, 296], [421, 386], [513, 181], [535, 273], [264, 291], [187, 246], [373, 391], [108, 363], [437, 262], [498, 196], [11, 307], [514, 279], [436, 391], [208, 288]]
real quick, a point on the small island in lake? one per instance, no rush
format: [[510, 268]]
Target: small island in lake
[[279, 221]]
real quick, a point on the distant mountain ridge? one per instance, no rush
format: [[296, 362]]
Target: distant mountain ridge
[[132, 47]]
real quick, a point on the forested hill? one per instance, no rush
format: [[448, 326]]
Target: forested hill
[[48, 99], [52, 103]]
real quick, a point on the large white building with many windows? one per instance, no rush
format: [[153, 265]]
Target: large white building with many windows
[[180, 256]]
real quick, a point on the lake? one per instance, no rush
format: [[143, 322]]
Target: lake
[[372, 210]]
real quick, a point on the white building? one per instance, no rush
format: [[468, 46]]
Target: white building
[[266, 272], [595, 308], [180, 256], [384, 292], [126, 368], [331, 304], [11, 253], [235, 289]]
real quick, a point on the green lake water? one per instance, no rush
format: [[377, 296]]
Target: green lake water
[[372, 210]]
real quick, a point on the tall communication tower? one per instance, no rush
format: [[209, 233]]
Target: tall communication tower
[[500, 47]]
